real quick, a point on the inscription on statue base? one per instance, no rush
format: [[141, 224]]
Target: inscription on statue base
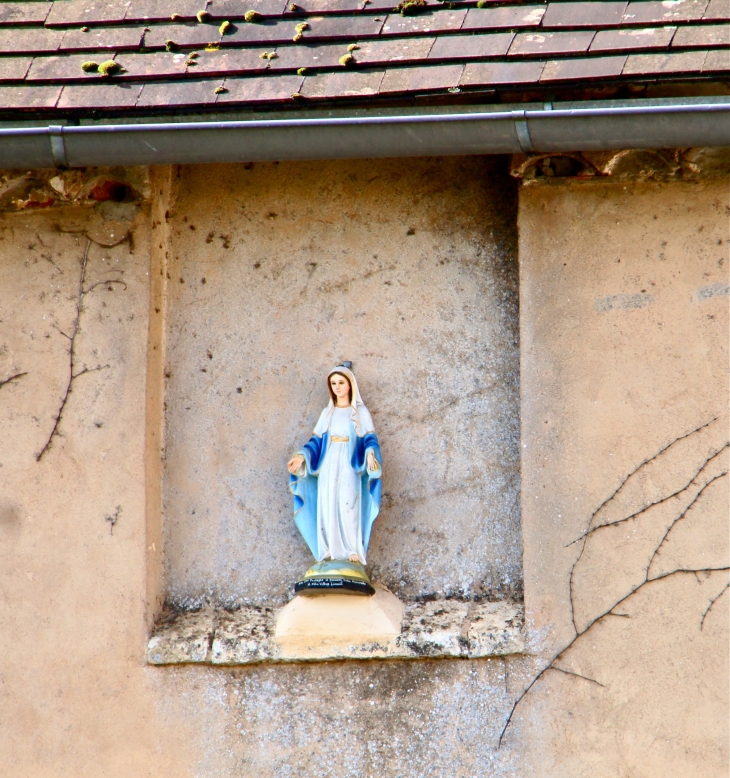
[[319, 586], [335, 576]]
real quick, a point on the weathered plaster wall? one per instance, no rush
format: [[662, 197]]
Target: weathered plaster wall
[[624, 367], [615, 385], [76, 699], [277, 272]]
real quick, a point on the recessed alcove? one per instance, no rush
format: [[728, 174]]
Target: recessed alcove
[[274, 273]]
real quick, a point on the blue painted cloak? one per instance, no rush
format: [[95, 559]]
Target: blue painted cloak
[[304, 488]]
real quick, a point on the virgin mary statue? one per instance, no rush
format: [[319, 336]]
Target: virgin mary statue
[[335, 479]]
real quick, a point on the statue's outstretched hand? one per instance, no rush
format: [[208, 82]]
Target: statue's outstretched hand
[[372, 462], [295, 463]]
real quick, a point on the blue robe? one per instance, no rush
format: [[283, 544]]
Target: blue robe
[[304, 488]]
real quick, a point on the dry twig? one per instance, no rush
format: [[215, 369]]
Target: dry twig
[[591, 529], [579, 633], [563, 651], [712, 602], [12, 378], [73, 373]]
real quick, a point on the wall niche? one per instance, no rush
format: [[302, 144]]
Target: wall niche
[[275, 272]]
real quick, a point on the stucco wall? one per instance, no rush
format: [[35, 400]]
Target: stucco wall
[[604, 387], [76, 698], [624, 370]]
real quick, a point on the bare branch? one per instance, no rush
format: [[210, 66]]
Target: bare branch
[[577, 675], [651, 504], [551, 664], [646, 462], [579, 633], [73, 374], [72, 354], [519, 700], [90, 370], [12, 378], [106, 283], [712, 602], [58, 329], [634, 515], [641, 586], [679, 518]]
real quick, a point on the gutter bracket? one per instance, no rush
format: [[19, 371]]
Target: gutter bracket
[[58, 146], [523, 131]]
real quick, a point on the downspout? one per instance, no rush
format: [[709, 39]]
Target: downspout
[[628, 125]]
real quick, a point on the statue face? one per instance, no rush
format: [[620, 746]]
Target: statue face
[[340, 386]]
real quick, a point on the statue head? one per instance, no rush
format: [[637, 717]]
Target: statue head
[[342, 373], [339, 386]]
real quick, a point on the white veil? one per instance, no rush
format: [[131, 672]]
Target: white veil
[[360, 415]]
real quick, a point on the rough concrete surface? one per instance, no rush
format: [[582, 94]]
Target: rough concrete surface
[[277, 272], [251, 634], [616, 414]]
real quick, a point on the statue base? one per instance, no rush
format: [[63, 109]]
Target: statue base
[[335, 576], [338, 627]]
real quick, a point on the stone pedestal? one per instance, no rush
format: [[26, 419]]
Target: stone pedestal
[[339, 626], [317, 626]]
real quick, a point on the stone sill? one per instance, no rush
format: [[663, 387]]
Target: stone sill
[[430, 630]]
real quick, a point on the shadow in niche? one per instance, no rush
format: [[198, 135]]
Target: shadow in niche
[[407, 267]]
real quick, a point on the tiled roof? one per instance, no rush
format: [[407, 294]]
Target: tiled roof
[[179, 54]]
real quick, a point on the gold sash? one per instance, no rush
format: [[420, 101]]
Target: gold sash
[[336, 439]]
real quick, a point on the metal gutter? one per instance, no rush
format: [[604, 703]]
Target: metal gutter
[[582, 127]]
